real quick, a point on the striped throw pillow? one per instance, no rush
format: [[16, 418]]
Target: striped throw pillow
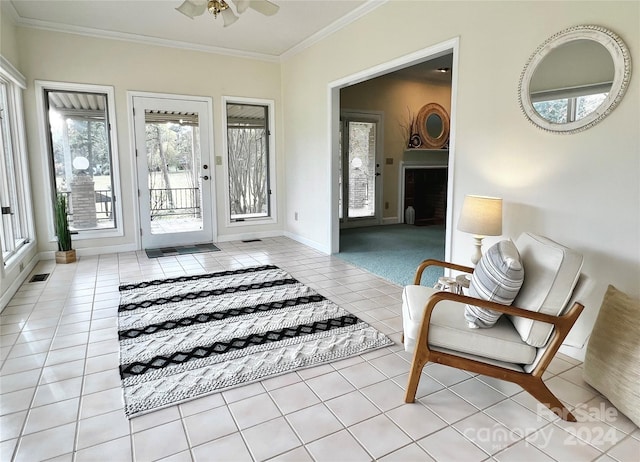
[[498, 277]]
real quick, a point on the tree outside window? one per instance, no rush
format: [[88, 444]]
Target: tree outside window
[[248, 161]]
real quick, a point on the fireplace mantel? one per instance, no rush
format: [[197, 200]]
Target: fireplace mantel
[[425, 157]]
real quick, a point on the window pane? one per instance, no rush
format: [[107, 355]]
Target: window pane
[[554, 111], [173, 162], [81, 157], [248, 161], [585, 105], [362, 168], [13, 228]]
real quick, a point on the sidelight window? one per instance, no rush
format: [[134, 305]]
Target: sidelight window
[[16, 228], [250, 166], [80, 136]]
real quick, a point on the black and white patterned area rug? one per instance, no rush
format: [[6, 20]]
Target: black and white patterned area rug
[[184, 337]]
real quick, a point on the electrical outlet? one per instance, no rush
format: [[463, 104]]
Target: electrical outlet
[[389, 160], [295, 216]]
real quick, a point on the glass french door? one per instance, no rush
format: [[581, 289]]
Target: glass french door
[[174, 170], [360, 190]]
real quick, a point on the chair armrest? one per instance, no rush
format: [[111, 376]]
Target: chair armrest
[[444, 264]]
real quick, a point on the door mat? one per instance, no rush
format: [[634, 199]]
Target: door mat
[[180, 250]]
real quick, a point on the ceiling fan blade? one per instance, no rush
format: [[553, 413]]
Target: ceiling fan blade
[[264, 6], [228, 17], [241, 5], [191, 9]]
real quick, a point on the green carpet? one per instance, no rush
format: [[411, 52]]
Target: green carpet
[[393, 252]]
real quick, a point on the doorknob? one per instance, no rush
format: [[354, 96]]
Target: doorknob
[[205, 178]]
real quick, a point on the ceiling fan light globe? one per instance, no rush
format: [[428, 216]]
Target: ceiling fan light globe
[[228, 17], [241, 5], [191, 10]]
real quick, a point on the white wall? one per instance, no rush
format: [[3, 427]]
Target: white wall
[[8, 37], [127, 66], [581, 190]]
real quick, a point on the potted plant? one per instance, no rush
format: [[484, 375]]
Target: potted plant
[[65, 253]]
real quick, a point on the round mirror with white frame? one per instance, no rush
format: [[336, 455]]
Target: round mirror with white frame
[[574, 79]]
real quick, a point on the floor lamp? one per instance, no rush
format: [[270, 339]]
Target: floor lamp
[[480, 216]]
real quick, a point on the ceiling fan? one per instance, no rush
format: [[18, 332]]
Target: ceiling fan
[[193, 8]]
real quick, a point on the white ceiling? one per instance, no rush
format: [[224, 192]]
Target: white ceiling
[[297, 23]]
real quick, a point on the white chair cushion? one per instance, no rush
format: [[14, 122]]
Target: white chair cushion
[[449, 330], [497, 278], [551, 273]]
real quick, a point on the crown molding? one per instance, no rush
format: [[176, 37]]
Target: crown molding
[[10, 10], [123, 36], [334, 27], [344, 21]]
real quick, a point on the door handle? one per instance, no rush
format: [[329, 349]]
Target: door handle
[[205, 178]]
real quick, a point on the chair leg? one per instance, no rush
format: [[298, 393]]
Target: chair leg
[[419, 360], [539, 391]]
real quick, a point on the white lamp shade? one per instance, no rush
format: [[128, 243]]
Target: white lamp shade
[[481, 216]]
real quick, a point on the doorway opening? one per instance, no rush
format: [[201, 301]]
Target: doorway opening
[[362, 92]]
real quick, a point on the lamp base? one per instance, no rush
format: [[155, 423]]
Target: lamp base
[[477, 253]]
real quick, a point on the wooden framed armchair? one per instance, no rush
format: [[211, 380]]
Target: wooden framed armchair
[[520, 346]]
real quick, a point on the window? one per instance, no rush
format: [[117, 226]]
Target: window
[[569, 105], [16, 228], [80, 137], [250, 166]]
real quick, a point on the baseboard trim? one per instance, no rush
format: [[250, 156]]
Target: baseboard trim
[[15, 285], [573, 352], [247, 236], [315, 245], [92, 251]]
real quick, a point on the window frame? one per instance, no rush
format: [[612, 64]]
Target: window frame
[[15, 83], [273, 213], [42, 87]]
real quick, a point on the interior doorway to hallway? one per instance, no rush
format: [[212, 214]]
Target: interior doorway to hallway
[[365, 92]]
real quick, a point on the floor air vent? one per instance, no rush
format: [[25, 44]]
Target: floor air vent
[[252, 240], [39, 277]]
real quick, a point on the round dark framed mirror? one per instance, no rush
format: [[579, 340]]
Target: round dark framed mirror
[[574, 79], [433, 126]]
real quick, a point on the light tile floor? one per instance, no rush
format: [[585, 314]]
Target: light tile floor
[[61, 397]]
